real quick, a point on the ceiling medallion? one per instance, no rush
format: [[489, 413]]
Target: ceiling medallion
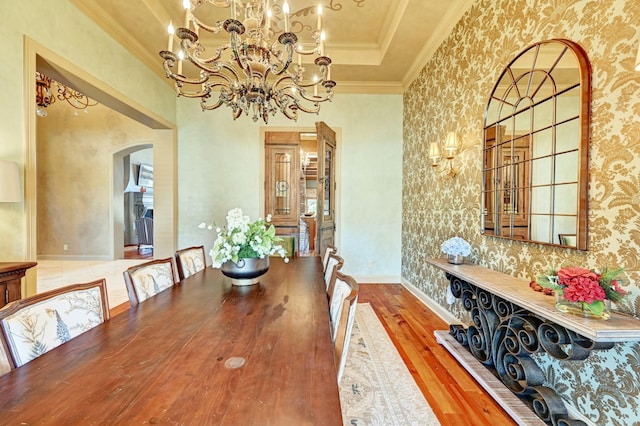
[[252, 71]]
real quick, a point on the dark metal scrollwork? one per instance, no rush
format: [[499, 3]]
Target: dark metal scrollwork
[[503, 336]]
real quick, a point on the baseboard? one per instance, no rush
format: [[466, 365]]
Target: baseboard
[[74, 257], [444, 314]]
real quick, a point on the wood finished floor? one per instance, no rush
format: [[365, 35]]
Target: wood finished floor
[[133, 252], [455, 397]]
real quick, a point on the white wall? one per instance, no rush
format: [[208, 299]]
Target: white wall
[[220, 165]]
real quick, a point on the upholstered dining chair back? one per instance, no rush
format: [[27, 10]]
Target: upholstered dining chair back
[[190, 260], [148, 279], [334, 263], [35, 325], [328, 252], [342, 312]]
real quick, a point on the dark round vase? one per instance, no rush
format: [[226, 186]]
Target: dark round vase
[[246, 271]]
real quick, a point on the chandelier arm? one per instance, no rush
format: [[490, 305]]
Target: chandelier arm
[[198, 60], [308, 110], [240, 59], [293, 115], [75, 98], [186, 80], [285, 64], [207, 107], [192, 95], [214, 29], [211, 70]]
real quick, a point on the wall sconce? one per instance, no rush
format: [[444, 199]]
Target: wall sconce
[[10, 191], [451, 148]]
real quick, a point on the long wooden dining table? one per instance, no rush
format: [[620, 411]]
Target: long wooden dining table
[[204, 352]]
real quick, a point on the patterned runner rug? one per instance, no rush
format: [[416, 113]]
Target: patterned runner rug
[[376, 386]]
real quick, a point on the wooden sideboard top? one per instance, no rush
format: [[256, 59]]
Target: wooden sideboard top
[[618, 328], [12, 267]]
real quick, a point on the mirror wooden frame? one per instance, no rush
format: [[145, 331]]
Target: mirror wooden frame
[[536, 147]]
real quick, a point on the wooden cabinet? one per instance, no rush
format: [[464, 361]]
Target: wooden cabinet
[[11, 274]]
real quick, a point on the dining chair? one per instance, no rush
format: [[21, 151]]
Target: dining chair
[[334, 263], [342, 312], [148, 279], [190, 260], [328, 252], [37, 324]]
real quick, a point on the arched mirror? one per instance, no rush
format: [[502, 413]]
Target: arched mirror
[[536, 145]]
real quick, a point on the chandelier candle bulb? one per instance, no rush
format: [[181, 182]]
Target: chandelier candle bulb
[[171, 31], [180, 58], [319, 17], [186, 4], [285, 10]]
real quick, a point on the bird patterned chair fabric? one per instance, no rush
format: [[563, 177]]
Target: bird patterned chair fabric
[[190, 261], [149, 279], [36, 325]]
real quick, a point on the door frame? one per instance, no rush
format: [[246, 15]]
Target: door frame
[[338, 168], [37, 56]]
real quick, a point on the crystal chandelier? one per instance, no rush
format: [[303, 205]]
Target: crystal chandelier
[[44, 96], [252, 72]]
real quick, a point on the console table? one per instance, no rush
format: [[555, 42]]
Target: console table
[[10, 275], [509, 323]]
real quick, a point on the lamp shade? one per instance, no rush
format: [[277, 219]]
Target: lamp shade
[[434, 153], [451, 145], [10, 190]]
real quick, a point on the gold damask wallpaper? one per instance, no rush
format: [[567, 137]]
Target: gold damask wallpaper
[[451, 94]]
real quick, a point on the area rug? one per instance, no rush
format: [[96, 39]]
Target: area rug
[[376, 386]]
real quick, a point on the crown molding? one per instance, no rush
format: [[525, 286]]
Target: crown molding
[[369, 87], [97, 14], [448, 22]]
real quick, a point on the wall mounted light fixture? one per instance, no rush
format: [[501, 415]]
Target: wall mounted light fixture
[[451, 148], [10, 191]]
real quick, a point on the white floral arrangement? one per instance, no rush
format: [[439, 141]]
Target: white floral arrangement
[[242, 239], [456, 246]]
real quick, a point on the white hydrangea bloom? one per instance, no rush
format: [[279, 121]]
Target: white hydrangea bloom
[[242, 238]]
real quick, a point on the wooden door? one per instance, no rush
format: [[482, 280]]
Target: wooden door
[[282, 180], [325, 216]]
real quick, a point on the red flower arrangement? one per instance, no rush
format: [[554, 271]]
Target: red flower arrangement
[[581, 285]]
